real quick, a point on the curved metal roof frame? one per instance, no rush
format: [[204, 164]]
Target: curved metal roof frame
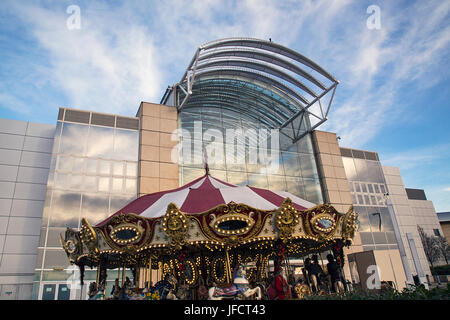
[[267, 102], [265, 64], [258, 88]]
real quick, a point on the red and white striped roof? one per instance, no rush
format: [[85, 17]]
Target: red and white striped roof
[[206, 193]]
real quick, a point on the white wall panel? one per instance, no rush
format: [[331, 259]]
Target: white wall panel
[[27, 208], [18, 263], [41, 130], [13, 126], [38, 144], [11, 141], [32, 175], [20, 244], [6, 189], [5, 207], [11, 157], [24, 226], [35, 159], [8, 173]]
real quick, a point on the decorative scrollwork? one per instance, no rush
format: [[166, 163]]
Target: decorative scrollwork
[[89, 237], [175, 225], [286, 218], [349, 224]]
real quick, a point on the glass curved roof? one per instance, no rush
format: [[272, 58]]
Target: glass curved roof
[[265, 80]]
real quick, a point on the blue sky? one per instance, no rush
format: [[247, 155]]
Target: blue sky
[[393, 95]]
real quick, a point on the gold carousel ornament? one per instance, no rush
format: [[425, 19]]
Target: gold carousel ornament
[[217, 237]]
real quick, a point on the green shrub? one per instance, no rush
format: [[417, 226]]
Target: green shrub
[[412, 293], [441, 270]]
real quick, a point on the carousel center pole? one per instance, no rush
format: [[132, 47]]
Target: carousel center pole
[[123, 275], [149, 273], [228, 266]]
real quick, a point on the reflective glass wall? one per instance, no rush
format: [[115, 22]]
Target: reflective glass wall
[[367, 187], [93, 174], [295, 168]]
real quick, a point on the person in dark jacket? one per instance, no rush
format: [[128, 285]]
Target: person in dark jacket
[[334, 271]]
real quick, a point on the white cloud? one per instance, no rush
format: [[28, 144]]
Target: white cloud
[[107, 65]]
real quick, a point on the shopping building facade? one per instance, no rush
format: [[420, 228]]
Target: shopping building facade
[[249, 110]]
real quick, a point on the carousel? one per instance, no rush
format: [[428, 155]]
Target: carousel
[[207, 240]]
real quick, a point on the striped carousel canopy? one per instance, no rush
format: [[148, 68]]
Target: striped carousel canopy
[[206, 193]]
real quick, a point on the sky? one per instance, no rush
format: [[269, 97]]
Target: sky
[[393, 93]]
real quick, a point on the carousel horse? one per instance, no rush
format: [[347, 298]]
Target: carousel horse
[[164, 286], [239, 287]]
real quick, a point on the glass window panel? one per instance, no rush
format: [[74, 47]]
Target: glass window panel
[[357, 187], [352, 187], [360, 199], [382, 188], [126, 145], [77, 166], [363, 219], [219, 174], [257, 166], [65, 209], [215, 155], [363, 187], [73, 139], [376, 188], [104, 167], [100, 142], [235, 158], [354, 199], [61, 180], [374, 218], [76, 182], [370, 188], [119, 201], [131, 169], [366, 238], [238, 178], [53, 237], [190, 174], [379, 238], [277, 183], [118, 168], [117, 185], [95, 207], [130, 186], [103, 184], [295, 186], [272, 161], [91, 166], [386, 219], [55, 258], [374, 172], [373, 200], [258, 180], [361, 169], [366, 199], [313, 191], [90, 183], [64, 163], [380, 201], [308, 166], [304, 145], [291, 163], [350, 169]]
